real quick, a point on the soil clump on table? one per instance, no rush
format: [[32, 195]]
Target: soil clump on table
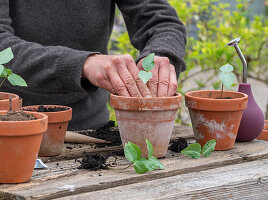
[[17, 116], [42, 108], [93, 162], [178, 145], [107, 132]]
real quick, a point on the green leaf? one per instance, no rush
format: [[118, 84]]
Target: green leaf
[[193, 151], [132, 152], [15, 79], [226, 68], [6, 72], [1, 69], [139, 167], [208, 148], [6, 55], [149, 164], [156, 162], [145, 76], [148, 62], [150, 148], [227, 79]]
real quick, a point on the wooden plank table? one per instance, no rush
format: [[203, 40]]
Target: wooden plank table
[[240, 173]]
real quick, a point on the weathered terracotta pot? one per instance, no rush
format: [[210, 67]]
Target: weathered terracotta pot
[[214, 118], [4, 101], [264, 133], [53, 138], [19, 145], [139, 119]]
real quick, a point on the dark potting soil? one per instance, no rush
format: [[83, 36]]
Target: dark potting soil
[[17, 116], [178, 145], [225, 98], [93, 162], [107, 132], [42, 108]]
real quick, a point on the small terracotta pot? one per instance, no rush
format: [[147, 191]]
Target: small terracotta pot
[[19, 145], [4, 101], [53, 138], [214, 118], [264, 133], [139, 119]]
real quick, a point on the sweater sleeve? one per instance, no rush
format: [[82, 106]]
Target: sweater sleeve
[[154, 27], [46, 69]]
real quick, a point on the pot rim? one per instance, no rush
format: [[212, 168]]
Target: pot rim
[[15, 96], [7, 127], [143, 103], [202, 103], [53, 117]]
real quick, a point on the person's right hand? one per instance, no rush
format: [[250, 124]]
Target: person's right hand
[[116, 73]]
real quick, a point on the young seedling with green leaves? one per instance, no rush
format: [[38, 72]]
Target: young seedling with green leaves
[[148, 65], [142, 165], [226, 76], [195, 151], [14, 79]]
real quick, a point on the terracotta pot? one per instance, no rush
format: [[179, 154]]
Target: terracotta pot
[[53, 138], [264, 133], [4, 101], [146, 118], [19, 145], [214, 118]]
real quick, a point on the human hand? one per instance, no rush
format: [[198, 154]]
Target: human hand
[[116, 73], [164, 82]]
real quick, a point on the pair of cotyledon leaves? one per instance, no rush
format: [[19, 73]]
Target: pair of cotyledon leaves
[[142, 165], [195, 150], [147, 64], [5, 56]]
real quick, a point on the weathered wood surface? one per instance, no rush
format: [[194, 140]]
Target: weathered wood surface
[[83, 184], [242, 181]]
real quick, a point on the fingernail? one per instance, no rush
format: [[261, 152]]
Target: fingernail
[[148, 96]]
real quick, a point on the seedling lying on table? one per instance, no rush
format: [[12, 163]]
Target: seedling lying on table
[[148, 65], [142, 165], [194, 150], [5, 56], [226, 76]]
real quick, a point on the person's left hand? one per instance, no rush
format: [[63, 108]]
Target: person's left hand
[[164, 82]]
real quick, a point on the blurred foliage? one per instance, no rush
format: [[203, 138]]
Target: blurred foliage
[[213, 24]]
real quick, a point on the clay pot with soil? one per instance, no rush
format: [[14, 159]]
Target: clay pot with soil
[[58, 119], [20, 138], [216, 118], [264, 133], [139, 119], [5, 99]]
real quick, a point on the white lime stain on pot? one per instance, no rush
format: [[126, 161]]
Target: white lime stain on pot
[[217, 129]]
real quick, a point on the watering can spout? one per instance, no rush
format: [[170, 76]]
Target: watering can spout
[[234, 43]]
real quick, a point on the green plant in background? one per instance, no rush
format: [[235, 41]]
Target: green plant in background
[[148, 65], [14, 79], [195, 151], [226, 76], [142, 165]]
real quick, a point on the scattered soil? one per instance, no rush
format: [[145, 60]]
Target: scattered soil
[[48, 109], [93, 162], [17, 116], [107, 132], [178, 145]]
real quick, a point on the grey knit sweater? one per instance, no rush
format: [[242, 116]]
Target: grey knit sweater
[[51, 40]]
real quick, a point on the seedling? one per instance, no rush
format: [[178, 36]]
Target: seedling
[[195, 151], [226, 76], [148, 65], [142, 165], [14, 79]]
